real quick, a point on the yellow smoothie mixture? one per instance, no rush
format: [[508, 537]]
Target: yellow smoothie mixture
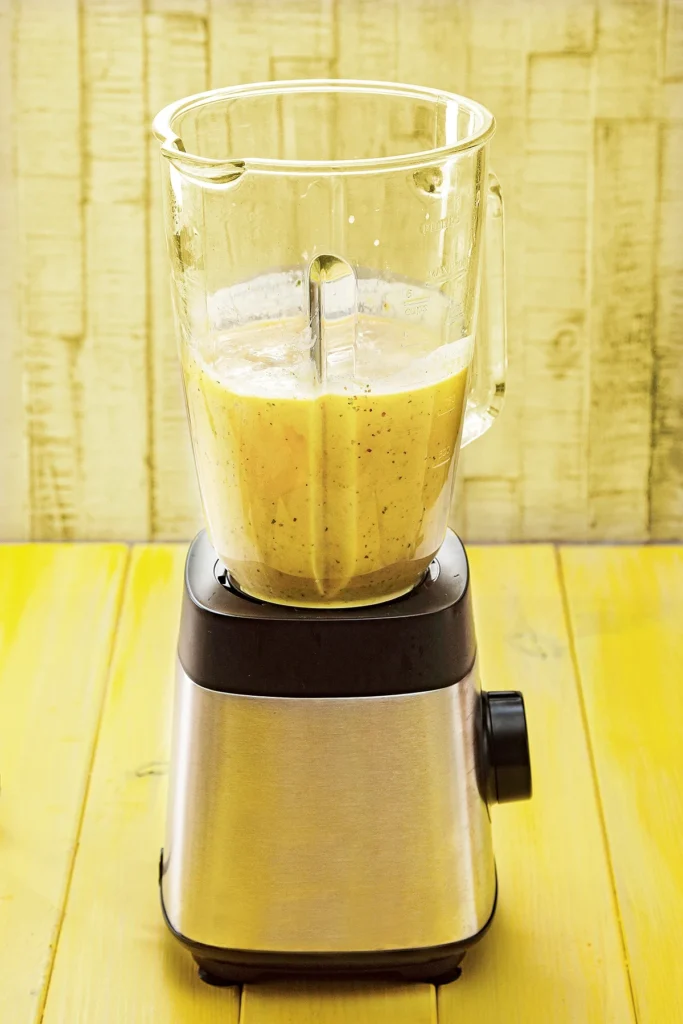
[[329, 498]]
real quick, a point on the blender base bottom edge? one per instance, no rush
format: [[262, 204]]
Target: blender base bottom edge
[[437, 965]]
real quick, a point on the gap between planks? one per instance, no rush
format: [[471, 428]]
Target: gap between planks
[[593, 770]]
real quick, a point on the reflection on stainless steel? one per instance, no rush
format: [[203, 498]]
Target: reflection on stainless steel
[[327, 825]]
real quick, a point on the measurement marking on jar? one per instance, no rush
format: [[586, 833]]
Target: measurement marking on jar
[[446, 272], [442, 458], [432, 226], [415, 305]]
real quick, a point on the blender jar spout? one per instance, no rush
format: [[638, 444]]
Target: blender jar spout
[[201, 169]]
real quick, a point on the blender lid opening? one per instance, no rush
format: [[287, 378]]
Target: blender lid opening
[[168, 130]]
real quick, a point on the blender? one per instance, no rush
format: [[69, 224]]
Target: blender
[[336, 252]]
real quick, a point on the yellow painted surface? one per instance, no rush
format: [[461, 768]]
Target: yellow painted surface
[[554, 953], [626, 611], [589, 100], [330, 1003], [58, 609], [590, 874], [115, 962]]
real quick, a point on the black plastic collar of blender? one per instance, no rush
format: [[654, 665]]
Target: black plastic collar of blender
[[230, 643]]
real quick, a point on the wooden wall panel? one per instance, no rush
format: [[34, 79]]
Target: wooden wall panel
[[562, 27], [249, 40], [176, 65], [13, 442], [588, 95], [49, 256], [628, 59], [438, 28], [497, 75], [666, 479], [622, 316], [112, 360], [666, 497], [555, 351]]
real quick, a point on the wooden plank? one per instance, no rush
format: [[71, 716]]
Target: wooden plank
[[246, 37], [626, 609], [13, 455], [49, 255], [367, 41], [564, 26], [198, 8], [321, 1003], [176, 66], [673, 42], [622, 325], [432, 44], [287, 68], [115, 961], [554, 356], [58, 608], [81, 424], [627, 87], [112, 362], [628, 59], [488, 506], [497, 77], [554, 951], [666, 476], [240, 50]]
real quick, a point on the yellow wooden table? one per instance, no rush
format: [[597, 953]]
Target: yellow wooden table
[[589, 926]]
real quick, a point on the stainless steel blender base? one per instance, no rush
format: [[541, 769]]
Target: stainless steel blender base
[[327, 825], [437, 965], [318, 828]]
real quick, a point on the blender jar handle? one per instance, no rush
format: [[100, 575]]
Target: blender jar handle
[[490, 350]]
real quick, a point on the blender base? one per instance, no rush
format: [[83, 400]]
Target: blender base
[[436, 965]]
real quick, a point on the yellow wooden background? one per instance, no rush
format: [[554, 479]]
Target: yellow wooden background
[[589, 99]]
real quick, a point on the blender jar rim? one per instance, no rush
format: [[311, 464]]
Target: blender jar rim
[[173, 148]]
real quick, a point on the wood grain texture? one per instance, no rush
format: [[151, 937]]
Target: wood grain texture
[[628, 59], [606, 757], [673, 44], [55, 641], [563, 27], [176, 65], [321, 1003], [555, 352], [14, 449], [588, 96], [248, 41], [496, 62], [554, 951], [666, 480], [49, 256], [626, 609], [438, 28], [623, 308], [116, 961], [112, 360]]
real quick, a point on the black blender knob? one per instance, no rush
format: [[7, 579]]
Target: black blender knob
[[507, 745]]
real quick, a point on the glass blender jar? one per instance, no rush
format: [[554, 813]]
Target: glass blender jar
[[327, 256]]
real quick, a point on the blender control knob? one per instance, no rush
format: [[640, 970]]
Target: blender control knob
[[507, 747]]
